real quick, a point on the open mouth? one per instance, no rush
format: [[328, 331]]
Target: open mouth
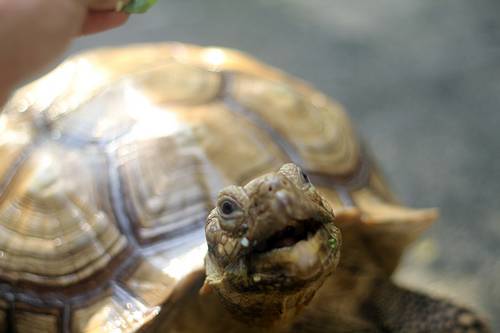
[[300, 230], [296, 254]]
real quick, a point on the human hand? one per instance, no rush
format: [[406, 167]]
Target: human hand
[[34, 33]]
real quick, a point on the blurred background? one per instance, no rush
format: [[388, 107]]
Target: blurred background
[[421, 79]]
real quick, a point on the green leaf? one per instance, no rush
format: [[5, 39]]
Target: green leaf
[[333, 243], [138, 6]]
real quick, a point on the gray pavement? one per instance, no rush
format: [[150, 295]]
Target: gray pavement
[[421, 80]]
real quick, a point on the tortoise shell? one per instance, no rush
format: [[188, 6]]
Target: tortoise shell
[[110, 164]]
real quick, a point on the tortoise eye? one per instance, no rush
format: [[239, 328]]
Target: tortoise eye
[[228, 207], [230, 213], [305, 177]]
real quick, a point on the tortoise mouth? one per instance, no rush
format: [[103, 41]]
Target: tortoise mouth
[[294, 256], [298, 230]]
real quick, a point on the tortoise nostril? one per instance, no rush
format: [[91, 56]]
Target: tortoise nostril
[[276, 183]]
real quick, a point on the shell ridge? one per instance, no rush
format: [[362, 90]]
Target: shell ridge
[[117, 203], [237, 107]]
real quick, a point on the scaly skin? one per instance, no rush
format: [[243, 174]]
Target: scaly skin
[[256, 275]]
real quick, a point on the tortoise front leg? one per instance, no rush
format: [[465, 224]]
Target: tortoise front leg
[[397, 309]]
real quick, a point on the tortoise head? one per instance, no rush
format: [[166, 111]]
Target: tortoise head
[[271, 244]]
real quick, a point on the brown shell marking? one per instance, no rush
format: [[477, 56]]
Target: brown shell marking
[[214, 126], [28, 321], [52, 231], [173, 195], [320, 133]]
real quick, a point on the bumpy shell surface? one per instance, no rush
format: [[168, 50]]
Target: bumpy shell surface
[[110, 164]]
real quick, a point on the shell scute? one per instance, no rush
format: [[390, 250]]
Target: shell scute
[[321, 136], [177, 83], [216, 125], [164, 187], [116, 311], [55, 229], [149, 283], [27, 321]]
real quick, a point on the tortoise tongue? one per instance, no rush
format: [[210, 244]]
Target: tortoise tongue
[[288, 241]]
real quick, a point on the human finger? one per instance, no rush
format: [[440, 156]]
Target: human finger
[[98, 21]]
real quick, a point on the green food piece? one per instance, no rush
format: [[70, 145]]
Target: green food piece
[[138, 6], [333, 243]]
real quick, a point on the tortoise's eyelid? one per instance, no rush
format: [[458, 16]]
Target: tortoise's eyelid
[[305, 177], [228, 207]]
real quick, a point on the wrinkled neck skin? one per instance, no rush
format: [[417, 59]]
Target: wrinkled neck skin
[[266, 308]]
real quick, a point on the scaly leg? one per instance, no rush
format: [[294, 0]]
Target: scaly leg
[[396, 309]]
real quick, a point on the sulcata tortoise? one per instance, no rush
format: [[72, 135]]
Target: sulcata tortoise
[[110, 170]]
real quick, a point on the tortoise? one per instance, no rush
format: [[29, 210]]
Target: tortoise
[[115, 165]]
